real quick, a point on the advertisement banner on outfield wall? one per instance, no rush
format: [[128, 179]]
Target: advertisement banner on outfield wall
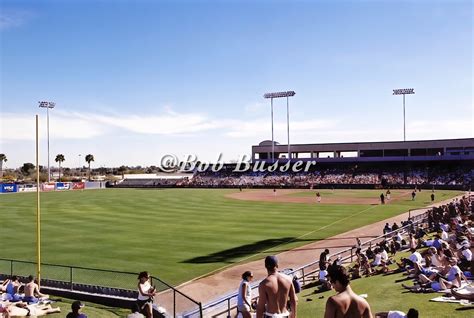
[[26, 188], [48, 186], [78, 186], [8, 188], [94, 184], [63, 186]]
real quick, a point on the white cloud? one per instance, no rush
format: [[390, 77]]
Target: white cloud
[[75, 125], [261, 127], [13, 18], [22, 127], [463, 127], [159, 124]]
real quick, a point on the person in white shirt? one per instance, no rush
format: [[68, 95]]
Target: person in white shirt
[[244, 297], [384, 255], [444, 235], [399, 237], [146, 292], [454, 274], [325, 285], [413, 261], [378, 258], [415, 257], [465, 257]]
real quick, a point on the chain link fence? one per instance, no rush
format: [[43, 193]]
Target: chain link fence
[[103, 282]]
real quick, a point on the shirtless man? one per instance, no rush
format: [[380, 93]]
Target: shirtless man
[[32, 293], [345, 304], [274, 292]]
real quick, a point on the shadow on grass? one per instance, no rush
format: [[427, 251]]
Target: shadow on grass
[[465, 308], [229, 255]]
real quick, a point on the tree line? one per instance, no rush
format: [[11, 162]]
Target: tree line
[[28, 169]]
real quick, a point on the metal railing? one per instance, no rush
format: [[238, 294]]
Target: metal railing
[[100, 282], [306, 273]]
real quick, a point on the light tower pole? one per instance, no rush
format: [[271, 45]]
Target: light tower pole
[[404, 91], [47, 105], [286, 94]]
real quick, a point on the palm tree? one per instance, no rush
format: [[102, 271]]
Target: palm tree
[[89, 158], [3, 158], [59, 159]]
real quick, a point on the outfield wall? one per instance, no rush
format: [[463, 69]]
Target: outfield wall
[[50, 186]]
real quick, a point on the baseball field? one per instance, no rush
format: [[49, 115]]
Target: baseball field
[[179, 234]]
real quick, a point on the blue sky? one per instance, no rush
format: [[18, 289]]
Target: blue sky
[[134, 80]]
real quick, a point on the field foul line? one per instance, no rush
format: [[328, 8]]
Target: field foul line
[[248, 257]]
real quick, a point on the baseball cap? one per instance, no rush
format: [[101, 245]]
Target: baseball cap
[[271, 261], [77, 305]]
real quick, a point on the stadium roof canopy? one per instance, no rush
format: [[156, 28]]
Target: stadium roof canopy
[[441, 149], [268, 143]]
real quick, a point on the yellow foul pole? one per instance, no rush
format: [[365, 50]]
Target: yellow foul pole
[[38, 210]]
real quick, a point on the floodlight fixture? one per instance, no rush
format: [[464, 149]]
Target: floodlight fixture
[[47, 105], [279, 94], [286, 94], [44, 104], [404, 91]]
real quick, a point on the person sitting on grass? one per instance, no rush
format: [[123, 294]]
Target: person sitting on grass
[[323, 279], [380, 260], [465, 258], [76, 310], [412, 313], [21, 309], [13, 289], [3, 287], [438, 260], [429, 287], [415, 257], [345, 303], [377, 258], [32, 293], [437, 282], [437, 242], [394, 246], [363, 262], [355, 271]]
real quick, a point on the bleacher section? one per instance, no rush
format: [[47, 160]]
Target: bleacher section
[[323, 175]]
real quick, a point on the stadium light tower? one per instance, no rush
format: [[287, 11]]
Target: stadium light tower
[[286, 94], [47, 105], [404, 91]]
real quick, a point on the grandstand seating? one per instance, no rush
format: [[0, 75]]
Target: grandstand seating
[[451, 176]]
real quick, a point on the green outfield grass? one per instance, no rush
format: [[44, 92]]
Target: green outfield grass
[[176, 234]]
